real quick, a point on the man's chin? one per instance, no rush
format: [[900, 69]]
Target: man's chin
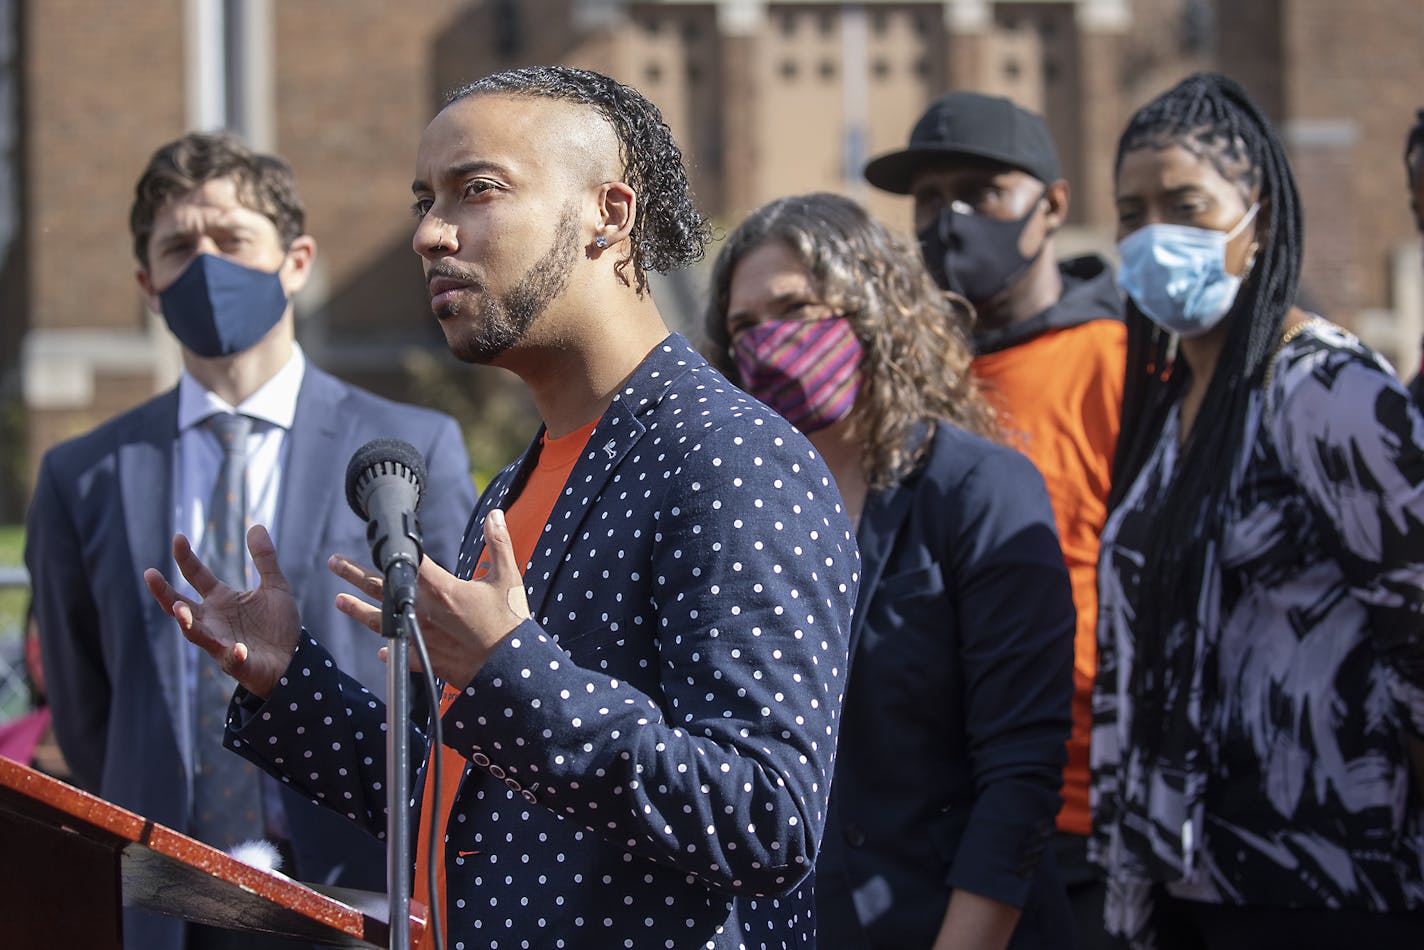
[[473, 349], [481, 335], [478, 356]]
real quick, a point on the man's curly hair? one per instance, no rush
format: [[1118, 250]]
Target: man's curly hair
[[668, 232]]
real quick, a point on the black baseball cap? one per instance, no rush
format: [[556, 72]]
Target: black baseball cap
[[970, 123]]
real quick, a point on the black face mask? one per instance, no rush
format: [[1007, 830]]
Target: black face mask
[[975, 256]]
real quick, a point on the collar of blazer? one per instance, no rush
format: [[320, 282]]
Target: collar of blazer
[[886, 511], [617, 432]]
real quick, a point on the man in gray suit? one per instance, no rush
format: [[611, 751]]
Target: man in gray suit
[[219, 234]]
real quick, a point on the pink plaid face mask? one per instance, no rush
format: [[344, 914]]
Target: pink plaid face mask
[[807, 370]]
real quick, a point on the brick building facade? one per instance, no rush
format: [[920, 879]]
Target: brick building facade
[[767, 97]]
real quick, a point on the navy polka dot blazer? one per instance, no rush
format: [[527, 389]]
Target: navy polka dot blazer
[[649, 757]]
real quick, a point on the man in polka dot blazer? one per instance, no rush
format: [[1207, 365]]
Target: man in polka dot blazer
[[644, 676]]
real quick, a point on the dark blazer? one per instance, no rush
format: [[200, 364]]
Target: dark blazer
[[952, 737], [649, 756], [103, 511]]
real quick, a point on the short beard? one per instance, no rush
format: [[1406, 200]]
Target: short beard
[[504, 322]]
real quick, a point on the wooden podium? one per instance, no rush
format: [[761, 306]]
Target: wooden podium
[[69, 861]]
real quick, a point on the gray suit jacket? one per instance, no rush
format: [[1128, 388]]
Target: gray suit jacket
[[102, 512]]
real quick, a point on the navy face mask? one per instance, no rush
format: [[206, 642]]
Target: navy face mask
[[974, 256], [218, 308]]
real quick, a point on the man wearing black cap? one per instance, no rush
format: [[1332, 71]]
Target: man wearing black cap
[[1050, 349]]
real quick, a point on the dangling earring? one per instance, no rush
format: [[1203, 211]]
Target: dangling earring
[[600, 241], [1250, 261]]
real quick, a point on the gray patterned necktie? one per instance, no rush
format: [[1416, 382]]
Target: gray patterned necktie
[[227, 799]]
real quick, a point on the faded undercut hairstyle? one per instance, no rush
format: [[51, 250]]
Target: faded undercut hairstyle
[[915, 363], [265, 183], [1213, 118], [668, 230]]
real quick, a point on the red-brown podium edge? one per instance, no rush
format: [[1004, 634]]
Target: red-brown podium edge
[[68, 860]]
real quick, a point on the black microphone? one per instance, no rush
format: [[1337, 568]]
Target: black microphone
[[384, 483]]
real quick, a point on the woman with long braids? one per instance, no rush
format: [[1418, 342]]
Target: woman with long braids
[[1261, 628], [957, 703]]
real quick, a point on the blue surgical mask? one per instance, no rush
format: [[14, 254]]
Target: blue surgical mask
[[1177, 274], [218, 308]]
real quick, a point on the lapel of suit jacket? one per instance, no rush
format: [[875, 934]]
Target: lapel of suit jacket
[[505, 486], [880, 524], [617, 432], [145, 459], [614, 436], [308, 493]]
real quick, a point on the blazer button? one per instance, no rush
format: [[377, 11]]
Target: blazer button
[[496, 771], [854, 835], [480, 759]]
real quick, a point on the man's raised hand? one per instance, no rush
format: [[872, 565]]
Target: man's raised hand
[[252, 634], [463, 622]]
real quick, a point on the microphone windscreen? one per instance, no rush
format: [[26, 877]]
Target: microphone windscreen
[[382, 457]]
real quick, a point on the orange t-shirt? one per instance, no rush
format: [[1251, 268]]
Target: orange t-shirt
[[525, 518], [1059, 397]]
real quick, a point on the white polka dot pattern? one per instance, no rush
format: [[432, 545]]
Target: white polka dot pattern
[[651, 752]]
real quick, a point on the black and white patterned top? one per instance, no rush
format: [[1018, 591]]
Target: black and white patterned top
[[1311, 623], [649, 757]]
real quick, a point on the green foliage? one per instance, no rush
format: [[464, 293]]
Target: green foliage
[[12, 544], [14, 435], [12, 600], [493, 408]]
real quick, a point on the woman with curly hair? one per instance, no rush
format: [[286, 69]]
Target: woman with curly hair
[[957, 700], [1261, 621]]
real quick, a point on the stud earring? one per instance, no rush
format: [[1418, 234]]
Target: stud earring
[[600, 241]]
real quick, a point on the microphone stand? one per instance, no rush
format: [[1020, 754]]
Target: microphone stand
[[383, 487], [396, 620]]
